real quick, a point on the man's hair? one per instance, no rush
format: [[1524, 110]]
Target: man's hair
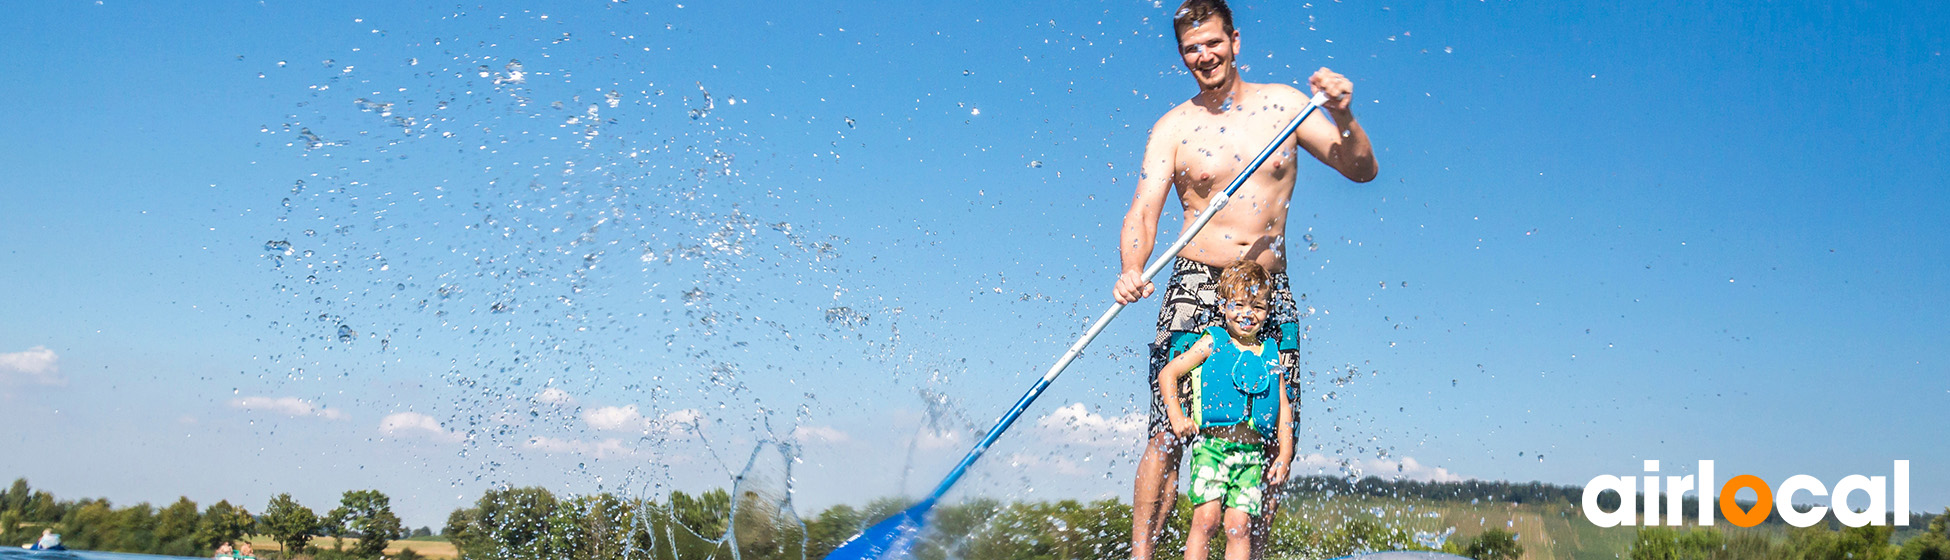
[[1244, 281], [1193, 12]]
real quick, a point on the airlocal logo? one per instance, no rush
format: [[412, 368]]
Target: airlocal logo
[[1768, 499]]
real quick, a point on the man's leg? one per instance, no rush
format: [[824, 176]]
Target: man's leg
[[1262, 524], [1285, 319], [1155, 494], [1270, 506], [1187, 307]]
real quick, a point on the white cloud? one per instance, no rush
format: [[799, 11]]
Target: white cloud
[[1076, 425], [1051, 464], [414, 423], [626, 418], [37, 366], [1407, 468], [936, 440], [820, 434], [553, 395], [600, 448], [615, 418], [682, 422], [288, 406]]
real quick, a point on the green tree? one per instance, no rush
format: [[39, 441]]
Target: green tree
[[136, 530], [706, 515], [1494, 544], [460, 531], [289, 523], [1854, 543], [504, 523], [369, 513], [604, 524], [15, 498], [1933, 544], [222, 523], [830, 528], [333, 524], [176, 529]]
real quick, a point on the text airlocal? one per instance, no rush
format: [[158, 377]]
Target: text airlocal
[[1769, 499]]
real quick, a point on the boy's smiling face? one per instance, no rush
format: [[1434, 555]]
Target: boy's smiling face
[[1244, 315]]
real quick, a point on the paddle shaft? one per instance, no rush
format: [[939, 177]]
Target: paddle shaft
[[1156, 266]]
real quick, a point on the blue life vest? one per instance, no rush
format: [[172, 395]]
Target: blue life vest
[[1237, 386]]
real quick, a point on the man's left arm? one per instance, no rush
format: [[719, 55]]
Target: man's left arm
[[1340, 144]]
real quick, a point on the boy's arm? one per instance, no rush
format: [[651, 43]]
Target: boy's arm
[[1176, 368], [1285, 459]]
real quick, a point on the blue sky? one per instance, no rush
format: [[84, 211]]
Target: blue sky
[[1600, 235]]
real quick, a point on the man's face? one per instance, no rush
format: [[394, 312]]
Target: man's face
[[1209, 52]]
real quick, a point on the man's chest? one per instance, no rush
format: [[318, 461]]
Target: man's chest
[[1211, 153]]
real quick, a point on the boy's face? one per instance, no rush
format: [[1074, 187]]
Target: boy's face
[[1244, 315]]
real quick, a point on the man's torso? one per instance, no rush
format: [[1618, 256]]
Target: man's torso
[[1213, 146]]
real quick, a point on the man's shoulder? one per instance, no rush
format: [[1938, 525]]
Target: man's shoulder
[[1277, 92], [1176, 115], [1174, 123]]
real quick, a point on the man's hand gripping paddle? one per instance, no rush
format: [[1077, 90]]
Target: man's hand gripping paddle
[[893, 537]]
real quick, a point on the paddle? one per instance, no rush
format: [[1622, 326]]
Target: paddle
[[892, 538]]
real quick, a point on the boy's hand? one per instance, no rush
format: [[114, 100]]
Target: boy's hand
[[1183, 426], [1276, 476]]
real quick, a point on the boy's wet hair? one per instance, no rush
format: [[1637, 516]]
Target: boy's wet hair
[[1244, 281], [1192, 12]]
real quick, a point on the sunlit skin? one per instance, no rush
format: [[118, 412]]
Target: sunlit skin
[[1195, 150], [1243, 321], [1198, 147]]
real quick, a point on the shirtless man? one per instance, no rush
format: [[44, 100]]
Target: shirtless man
[[1196, 149]]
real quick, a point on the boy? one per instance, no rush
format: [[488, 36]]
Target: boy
[[1238, 409]]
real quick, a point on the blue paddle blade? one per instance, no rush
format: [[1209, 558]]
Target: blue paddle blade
[[1400, 555], [887, 540]]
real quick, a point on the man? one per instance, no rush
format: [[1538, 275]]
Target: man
[[1196, 149]]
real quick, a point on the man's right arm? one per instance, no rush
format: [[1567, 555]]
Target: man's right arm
[[1141, 222]]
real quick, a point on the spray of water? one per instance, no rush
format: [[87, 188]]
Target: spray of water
[[591, 273]]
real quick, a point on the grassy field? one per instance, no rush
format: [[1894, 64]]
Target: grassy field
[[1547, 532], [431, 547]]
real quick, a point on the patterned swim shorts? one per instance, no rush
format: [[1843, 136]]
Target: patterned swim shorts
[[1230, 471]]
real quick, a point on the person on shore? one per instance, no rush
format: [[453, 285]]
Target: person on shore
[[1240, 414], [1195, 150]]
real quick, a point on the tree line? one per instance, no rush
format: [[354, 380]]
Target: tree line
[[1820, 542], [181, 529], [533, 523]]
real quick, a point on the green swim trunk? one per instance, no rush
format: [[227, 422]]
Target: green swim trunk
[[1230, 471]]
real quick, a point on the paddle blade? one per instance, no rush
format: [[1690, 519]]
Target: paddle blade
[[1397, 555], [887, 540]]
